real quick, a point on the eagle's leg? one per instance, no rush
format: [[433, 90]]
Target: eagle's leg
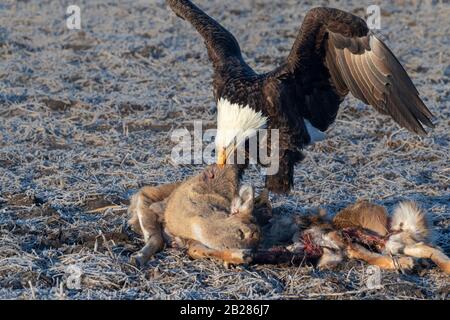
[[283, 180]]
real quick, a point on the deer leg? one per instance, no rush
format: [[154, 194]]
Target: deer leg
[[153, 245], [142, 200], [421, 250], [198, 250], [146, 210], [147, 222], [356, 251]]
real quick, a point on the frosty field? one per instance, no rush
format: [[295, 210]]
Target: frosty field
[[86, 119]]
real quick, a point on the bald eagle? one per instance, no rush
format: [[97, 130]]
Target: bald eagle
[[334, 53]]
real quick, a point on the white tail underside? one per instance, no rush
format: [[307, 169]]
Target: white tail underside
[[314, 133]]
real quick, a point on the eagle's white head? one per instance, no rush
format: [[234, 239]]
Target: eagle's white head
[[235, 124]]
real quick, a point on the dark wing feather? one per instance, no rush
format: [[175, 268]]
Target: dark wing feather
[[357, 61], [222, 46], [375, 76]]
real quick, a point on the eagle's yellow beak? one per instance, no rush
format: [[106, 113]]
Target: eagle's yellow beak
[[222, 157]]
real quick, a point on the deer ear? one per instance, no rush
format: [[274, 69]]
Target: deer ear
[[235, 204], [246, 193]]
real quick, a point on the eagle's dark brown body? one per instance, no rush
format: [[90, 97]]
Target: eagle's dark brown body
[[333, 54]]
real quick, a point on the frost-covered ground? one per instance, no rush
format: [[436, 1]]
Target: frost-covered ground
[[86, 118]]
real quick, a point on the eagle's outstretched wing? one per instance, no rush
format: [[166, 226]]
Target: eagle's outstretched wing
[[223, 48], [337, 51]]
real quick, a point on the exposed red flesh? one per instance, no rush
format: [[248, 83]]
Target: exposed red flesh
[[280, 255], [364, 237]]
